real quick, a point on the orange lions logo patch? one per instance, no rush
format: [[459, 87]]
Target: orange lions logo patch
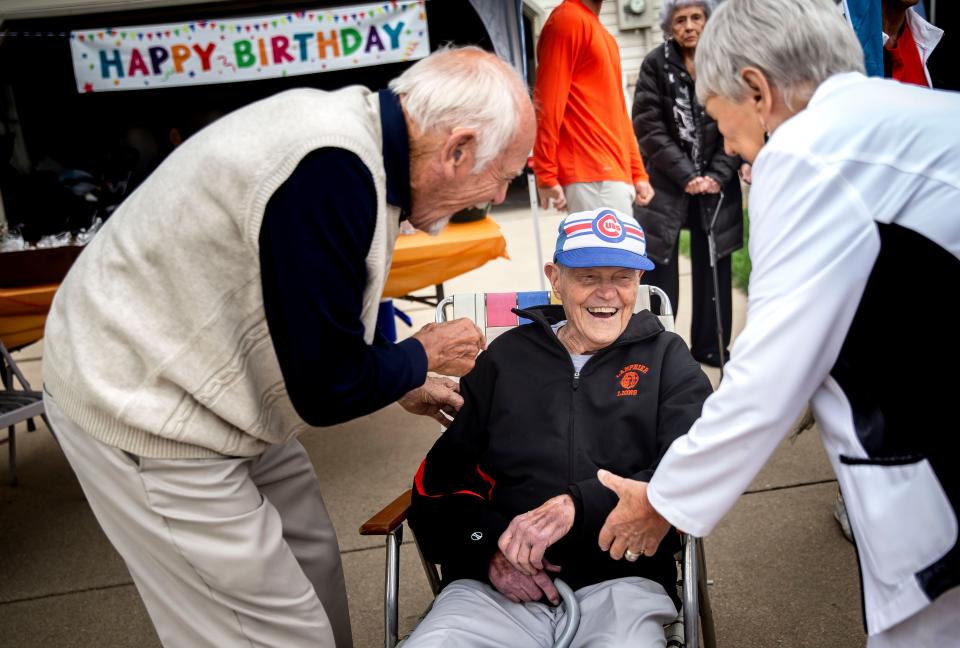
[[629, 378]]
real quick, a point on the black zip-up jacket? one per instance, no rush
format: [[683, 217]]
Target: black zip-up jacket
[[531, 429]]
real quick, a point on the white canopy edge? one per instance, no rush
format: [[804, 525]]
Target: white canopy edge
[[18, 9]]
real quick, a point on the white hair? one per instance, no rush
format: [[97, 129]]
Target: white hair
[[465, 87], [797, 44], [669, 7]]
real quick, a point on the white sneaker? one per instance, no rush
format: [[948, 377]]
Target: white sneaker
[[840, 515]]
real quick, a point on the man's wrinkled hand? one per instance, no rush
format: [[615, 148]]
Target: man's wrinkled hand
[[530, 534], [552, 197], [437, 398], [633, 523], [519, 587], [451, 347], [644, 193]]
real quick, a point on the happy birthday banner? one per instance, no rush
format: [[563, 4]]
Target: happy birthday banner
[[223, 51]]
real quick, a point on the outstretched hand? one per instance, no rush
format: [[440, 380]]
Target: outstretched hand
[[530, 534], [519, 587], [438, 398], [633, 525]]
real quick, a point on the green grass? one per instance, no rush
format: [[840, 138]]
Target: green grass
[[741, 265], [741, 258], [685, 242]]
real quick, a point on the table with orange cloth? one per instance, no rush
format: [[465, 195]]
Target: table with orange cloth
[[421, 260], [23, 312]]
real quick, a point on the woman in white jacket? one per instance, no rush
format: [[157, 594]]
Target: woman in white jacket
[[853, 179]]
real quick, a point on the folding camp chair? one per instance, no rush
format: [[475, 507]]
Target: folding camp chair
[[493, 313], [16, 405]]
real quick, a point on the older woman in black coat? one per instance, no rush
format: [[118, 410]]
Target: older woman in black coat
[[683, 153]]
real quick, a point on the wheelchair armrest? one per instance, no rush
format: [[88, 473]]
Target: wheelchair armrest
[[390, 517]]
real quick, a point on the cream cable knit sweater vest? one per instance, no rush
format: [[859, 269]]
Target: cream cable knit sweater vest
[[157, 342]]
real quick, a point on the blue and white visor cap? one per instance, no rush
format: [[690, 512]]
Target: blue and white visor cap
[[602, 238]]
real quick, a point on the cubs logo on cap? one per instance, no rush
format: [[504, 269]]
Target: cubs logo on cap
[[602, 237]]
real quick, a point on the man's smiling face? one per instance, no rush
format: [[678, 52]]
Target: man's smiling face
[[598, 302]]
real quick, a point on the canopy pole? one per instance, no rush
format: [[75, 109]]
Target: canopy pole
[[535, 212]]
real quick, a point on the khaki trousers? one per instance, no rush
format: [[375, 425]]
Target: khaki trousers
[[224, 552]]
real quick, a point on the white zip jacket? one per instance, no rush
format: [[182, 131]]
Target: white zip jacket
[[855, 204]]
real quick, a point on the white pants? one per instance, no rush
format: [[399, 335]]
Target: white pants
[[935, 626], [224, 552], [623, 612], [587, 196]]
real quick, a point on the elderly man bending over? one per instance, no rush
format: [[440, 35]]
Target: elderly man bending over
[[509, 494], [231, 302]]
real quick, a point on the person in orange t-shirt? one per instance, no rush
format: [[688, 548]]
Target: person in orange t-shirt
[[585, 153]]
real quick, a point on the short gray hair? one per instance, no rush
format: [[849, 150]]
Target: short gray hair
[[669, 7], [465, 87], [797, 44]]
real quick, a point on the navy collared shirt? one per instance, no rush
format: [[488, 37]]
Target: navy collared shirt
[[396, 152], [316, 234]]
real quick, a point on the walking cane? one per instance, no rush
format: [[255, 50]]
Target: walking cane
[[712, 244], [573, 615]]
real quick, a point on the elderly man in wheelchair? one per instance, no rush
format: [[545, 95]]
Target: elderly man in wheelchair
[[509, 496]]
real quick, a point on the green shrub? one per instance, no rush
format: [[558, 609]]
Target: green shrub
[[741, 258]]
